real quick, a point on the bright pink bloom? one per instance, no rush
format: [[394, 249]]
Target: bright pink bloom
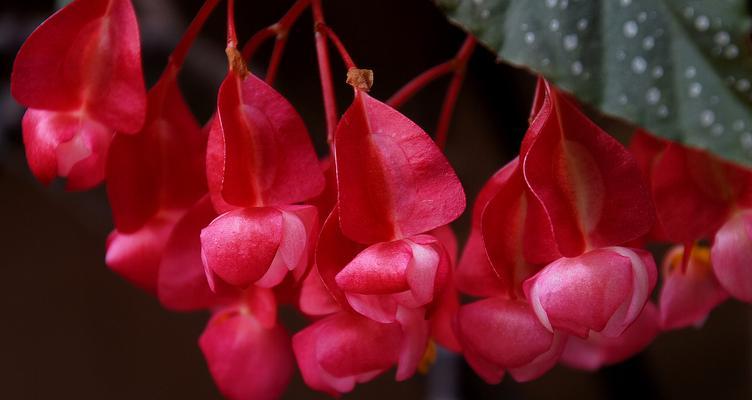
[[345, 348], [597, 350], [603, 291], [731, 256], [248, 353], [80, 75], [393, 181], [259, 244], [690, 290], [390, 275], [500, 334]]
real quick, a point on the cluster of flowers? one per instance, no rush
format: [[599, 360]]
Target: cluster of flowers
[[241, 216]]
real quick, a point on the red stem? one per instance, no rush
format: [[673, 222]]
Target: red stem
[[181, 50], [337, 44], [447, 109], [232, 36], [256, 41], [419, 82], [325, 72]]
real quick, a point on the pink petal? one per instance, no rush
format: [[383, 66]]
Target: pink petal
[[67, 145], [239, 246], [268, 158], [379, 269], [731, 255], [297, 223], [87, 55], [602, 290], [182, 284], [597, 351], [687, 297], [314, 299], [415, 339], [161, 166], [393, 181], [588, 184], [136, 256], [475, 275], [247, 360]]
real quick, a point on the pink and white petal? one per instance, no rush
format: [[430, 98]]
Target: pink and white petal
[[731, 255], [414, 341]]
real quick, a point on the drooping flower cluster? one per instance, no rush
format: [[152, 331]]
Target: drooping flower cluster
[[241, 216]]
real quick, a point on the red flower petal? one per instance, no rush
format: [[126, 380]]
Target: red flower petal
[[603, 290], [239, 246], [85, 57], [687, 297], [67, 145], [247, 360], [160, 167], [732, 256], [182, 284], [588, 184], [393, 182], [267, 157]]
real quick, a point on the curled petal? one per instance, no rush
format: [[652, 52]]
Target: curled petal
[[393, 181], [87, 55], [266, 155], [598, 351], [588, 184], [66, 144], [182, 284], [336, 352], [687, 297], [160, 167], [731, 256], [475, 274], [315, 299], [246, 359], [136, 256], [239, 246], [603, 290], [498, 334]]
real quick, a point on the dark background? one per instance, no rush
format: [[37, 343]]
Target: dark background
[[71, 329]]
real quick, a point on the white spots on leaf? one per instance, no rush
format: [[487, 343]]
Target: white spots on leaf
[[622, 99], [564, 4], [702, 23], [662, 111], [746, 140], [722, 38], [529, 37], [524, 26], [642, 16], [630, 29], [621, 55], [731, 51], [742, 85], [714, 100], [657, 72], [625, 3], [570, 42], [551, 3], [554, 25], [690, 72], [545, 62], [653, 95], [707, 117], [576, 68], [717, 130], [648, 42], [639, 65], [582, 24], [689, 12], [695, 88], [738, 125], [485, 13]]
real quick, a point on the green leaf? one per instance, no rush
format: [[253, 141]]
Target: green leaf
[[682, 69]]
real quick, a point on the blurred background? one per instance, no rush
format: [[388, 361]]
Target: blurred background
[[71, 329]]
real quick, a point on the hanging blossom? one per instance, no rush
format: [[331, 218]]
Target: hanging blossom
[[698, 199], [546, 251]]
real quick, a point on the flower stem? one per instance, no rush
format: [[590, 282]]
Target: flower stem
[[447, 109], [232, 36], [419, 82], [181, 50], [325, 72], [337, 44]]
